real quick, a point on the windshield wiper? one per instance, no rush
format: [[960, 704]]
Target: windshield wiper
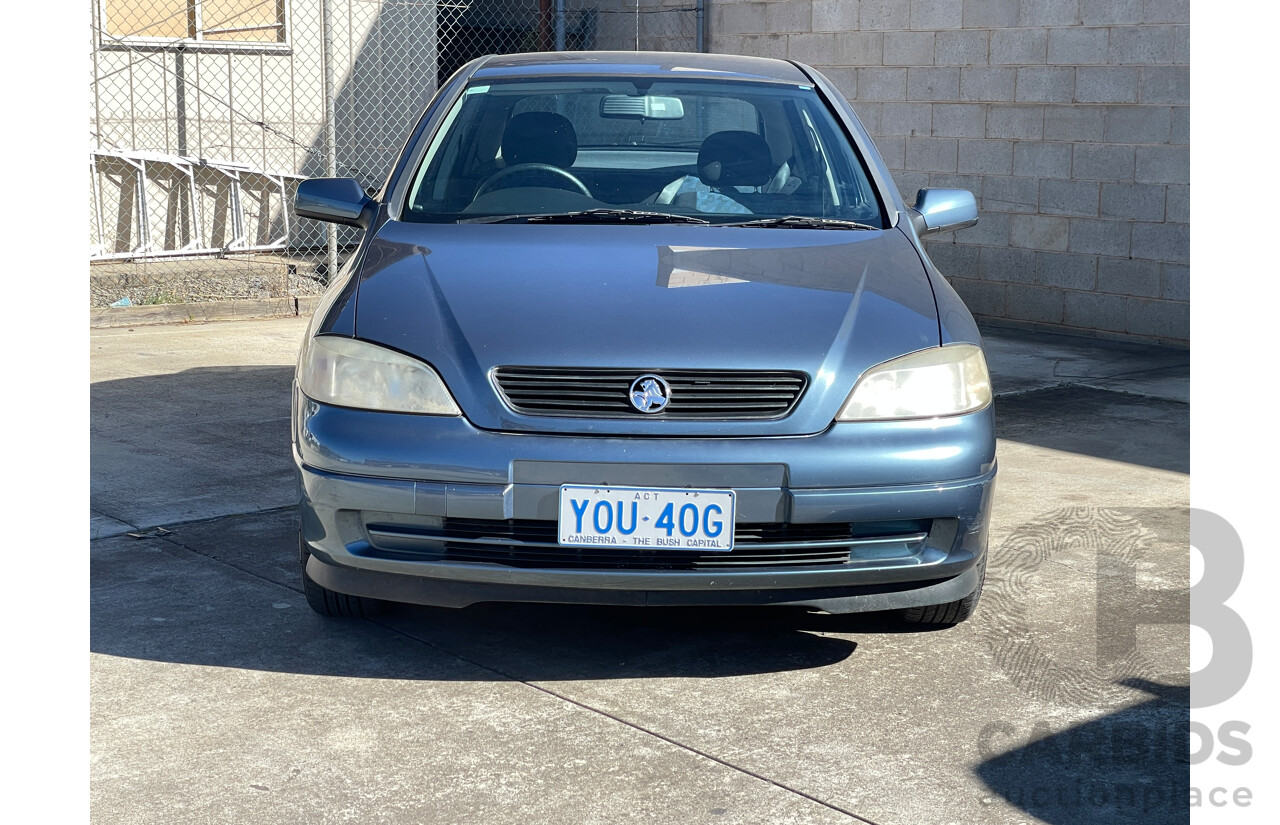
[[590, 216], [799, 222]]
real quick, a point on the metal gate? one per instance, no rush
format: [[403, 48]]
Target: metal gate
[[205, 114]]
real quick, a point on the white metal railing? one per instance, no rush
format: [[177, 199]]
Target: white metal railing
[[202, 206]]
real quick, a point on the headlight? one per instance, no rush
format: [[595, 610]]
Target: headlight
[[350, 373], [940, 381]]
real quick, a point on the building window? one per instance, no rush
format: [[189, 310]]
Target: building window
[[244, 22]]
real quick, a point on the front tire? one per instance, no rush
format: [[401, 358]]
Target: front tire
[[328, 602], [950, 613]]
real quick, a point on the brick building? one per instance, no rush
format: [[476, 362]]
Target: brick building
[[1068, 119]]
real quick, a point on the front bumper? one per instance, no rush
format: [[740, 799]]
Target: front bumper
[[415, 473]]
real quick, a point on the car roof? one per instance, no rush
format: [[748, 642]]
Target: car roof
[[653, 64]]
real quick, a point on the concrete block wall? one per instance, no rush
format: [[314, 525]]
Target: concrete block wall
[[1068, 119]]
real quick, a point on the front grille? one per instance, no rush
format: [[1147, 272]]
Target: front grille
[[604, 393], [532, 544]]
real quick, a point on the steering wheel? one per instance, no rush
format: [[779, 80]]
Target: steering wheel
[[562, 177]]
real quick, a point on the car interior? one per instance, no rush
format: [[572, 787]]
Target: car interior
[[703, 154]]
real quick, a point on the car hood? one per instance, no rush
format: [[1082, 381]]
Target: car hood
[[469, 298]]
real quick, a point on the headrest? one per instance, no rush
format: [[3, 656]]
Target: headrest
[[735, 159], [540, 137]]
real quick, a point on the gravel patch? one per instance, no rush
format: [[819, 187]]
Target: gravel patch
[[192, 280]]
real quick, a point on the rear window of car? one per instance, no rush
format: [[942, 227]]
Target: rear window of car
[[716, 150]]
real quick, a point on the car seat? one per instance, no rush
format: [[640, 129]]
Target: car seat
[[540, 137]]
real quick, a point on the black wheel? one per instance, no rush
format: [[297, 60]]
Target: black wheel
[[327, 602], [951, 613]]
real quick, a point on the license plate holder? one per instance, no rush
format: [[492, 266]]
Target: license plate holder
[[646, 518]]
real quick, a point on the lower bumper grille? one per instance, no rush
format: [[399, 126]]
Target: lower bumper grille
[[533, 544]]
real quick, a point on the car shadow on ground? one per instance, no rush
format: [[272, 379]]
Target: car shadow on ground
[[1117, 426], [1131, 765], [189, 445], [544, 641]]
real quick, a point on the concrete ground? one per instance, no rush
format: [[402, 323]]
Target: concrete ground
[[218, 696]]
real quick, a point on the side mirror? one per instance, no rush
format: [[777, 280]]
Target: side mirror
[[943, 210], [334, 200]]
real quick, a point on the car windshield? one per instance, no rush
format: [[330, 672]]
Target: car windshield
[[642, 150]]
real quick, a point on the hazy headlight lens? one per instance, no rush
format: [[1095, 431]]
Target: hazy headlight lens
[[350, 373], [941, 381]]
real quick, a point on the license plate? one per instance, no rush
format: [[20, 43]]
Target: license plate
[[646, 518]]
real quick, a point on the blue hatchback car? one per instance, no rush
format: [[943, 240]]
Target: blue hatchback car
[[642, 329]]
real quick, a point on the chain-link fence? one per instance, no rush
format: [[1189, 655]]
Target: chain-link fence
[[205, 115]]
